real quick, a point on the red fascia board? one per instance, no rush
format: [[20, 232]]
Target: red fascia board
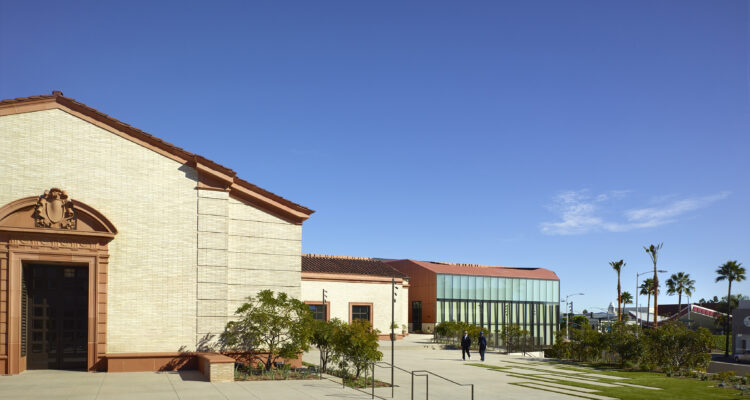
[[504, 272]]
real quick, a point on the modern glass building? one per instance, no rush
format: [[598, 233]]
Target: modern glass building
[[491, 297]]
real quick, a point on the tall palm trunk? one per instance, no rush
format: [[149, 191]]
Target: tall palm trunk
[[648, 306], [619, 298], [679, 304], [726, 320]]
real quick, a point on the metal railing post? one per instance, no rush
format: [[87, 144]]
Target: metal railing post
[[472, 391], [427, 387], [373, 380], [412, 385]]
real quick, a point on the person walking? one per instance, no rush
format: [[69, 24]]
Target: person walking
[[465, 344], [482, 345]]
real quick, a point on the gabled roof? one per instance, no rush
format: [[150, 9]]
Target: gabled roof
[[211, 175], [479, 270], [348, 265]]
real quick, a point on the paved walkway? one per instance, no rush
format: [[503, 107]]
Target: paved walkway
[[414, 353], [49, 384]]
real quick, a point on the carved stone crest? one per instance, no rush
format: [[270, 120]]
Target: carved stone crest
[[54, 209]]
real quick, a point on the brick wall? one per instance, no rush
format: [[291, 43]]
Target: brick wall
[[183, 259], [264, 253]]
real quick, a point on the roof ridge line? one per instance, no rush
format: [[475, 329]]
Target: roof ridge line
[[336, 257]]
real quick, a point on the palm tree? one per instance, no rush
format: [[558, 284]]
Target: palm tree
[[626, 299], [617, 266], [647, 288], [680, 283], [731, 271], [653, 252]]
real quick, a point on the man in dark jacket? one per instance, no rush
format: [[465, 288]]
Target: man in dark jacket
[[482, 344], [465, 344]]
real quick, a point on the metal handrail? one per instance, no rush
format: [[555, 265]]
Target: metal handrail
[[425, 373], [389, 364], [414, 373]]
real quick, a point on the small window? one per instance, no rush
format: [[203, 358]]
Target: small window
[[361, 312], [319, 311], [70, 272]]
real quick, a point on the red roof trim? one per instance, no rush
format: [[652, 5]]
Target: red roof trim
[[259, 196], [483, 270]]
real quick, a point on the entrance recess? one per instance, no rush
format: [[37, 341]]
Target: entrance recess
[[54, 262], [56, 316]]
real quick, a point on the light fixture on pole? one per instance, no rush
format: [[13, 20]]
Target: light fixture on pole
[[325, 311], [393, 322], [567, 314]]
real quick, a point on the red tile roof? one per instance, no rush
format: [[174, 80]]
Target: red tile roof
[[348, 265], [481, 270], [58, 97]]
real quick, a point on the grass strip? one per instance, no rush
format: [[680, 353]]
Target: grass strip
[[674, 388], [552, 390]]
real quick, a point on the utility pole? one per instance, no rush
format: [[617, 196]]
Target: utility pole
[[393, 317], [567, 316], [325, 311]]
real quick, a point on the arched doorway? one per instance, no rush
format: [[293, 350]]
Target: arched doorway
[[53, 283]]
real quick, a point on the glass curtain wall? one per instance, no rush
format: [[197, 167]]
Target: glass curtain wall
[[493, 302]]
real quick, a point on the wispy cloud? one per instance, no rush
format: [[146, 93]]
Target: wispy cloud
[[582, 212]]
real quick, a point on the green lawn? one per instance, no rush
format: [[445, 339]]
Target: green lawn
[[673, 387]]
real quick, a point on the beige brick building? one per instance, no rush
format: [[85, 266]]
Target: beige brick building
[[156, 246]]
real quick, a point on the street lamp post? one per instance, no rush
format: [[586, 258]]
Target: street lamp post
[[393, 317], [325, 310], [637, 312], [567, 314]]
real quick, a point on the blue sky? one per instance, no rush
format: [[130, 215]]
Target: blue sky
[[556, 134]]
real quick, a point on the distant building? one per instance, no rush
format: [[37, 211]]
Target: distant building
[[488, 296], [356, 288], [692, 315], [741, 328]]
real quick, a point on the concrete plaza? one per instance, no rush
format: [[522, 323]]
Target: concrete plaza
[[414, 353]]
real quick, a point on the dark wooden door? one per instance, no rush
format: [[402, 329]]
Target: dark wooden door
[[416, 315], [57, 316]]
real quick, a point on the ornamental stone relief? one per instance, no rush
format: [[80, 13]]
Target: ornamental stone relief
[[54, 209], [80, 243]]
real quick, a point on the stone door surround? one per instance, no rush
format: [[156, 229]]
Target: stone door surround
[[52, 229]]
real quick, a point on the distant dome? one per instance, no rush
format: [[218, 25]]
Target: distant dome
[[611, 308]]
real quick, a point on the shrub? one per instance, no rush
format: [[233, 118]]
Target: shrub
[[324, 338], [673, 347], [512, 336], [355, 345], [623, 342], [276, 324]]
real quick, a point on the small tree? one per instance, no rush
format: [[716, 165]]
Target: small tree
[[324, 338], [617, 266], [674, 348], [279, 325], [680, 283], [647, 288], [512, 336], [653, 252], [356, 344], [622, 340], [626, 298], [730, 271]]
